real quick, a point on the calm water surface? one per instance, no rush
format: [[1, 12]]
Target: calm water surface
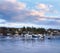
[[30, 46]]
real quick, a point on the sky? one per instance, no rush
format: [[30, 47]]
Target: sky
[[30, 13]]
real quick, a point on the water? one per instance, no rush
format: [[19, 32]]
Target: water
[[29, 46]]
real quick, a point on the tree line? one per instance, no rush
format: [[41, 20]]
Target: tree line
[[33, 30]]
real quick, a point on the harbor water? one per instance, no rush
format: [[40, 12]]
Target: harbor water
[[16, 45]]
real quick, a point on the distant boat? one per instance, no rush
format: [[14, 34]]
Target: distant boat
[[28, 36], [35, 36], [8, 37]]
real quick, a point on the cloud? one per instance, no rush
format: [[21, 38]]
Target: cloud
[[37, 13], [48, 18], [10, 10], [48, 21], [14, 4], [16, 14], [2, 21], [43, 7], [58, 21], [16, 11], [17, 24], [47, 8], [41, 19], [21, 5], [10, 1]]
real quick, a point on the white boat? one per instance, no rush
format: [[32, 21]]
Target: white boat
[[27, 36]]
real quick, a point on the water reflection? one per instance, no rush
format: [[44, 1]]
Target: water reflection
[[18, 45]]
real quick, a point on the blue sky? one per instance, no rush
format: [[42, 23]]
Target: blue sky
[[36, 13]]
